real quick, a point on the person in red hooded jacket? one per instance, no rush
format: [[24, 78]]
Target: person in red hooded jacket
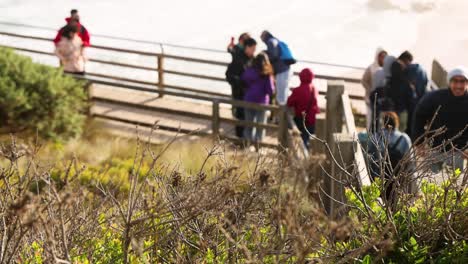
[[304, 100], [74, 20]]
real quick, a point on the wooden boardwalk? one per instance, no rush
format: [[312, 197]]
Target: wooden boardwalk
[[159, 110], [163, 118]]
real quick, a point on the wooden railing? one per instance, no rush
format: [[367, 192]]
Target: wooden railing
[[160, 68], [344, 153], [163, 88]]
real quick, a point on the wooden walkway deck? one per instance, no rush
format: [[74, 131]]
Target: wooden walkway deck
[[164, 118]]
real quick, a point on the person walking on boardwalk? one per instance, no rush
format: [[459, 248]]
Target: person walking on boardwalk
[[70, 51], [446, 109], [74, 20], [399, 91], [371, 78], [418, 85], [281, 58], [260, 87], [304, 101], [242, 54]]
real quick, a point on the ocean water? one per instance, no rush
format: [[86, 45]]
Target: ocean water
[[333, 31]]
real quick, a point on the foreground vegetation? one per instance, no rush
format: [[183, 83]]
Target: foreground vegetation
[[132, 202]]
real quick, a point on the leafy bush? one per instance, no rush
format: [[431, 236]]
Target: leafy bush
[[36, 97], [142, 210]]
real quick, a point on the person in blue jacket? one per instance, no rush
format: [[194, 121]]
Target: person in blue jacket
[[281, 67], [418, 82]]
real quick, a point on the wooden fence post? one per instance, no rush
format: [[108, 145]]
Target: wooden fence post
[[283, 127], [439, 75], [342, 148], [161, 74], [333, 125], [334, 111], [215, 120]]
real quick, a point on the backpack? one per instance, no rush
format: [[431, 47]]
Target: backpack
[[395, 157], [285, 53]]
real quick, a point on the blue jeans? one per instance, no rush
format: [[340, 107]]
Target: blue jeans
[[282, 87], [254, 134]]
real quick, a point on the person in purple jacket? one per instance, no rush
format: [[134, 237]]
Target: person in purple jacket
[[260, 86]]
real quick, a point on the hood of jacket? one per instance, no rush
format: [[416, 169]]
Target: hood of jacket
[[306, 76], [266, 36]]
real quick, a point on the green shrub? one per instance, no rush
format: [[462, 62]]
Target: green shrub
[[40, 98]]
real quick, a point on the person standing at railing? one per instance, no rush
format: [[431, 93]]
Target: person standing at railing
[[70, 52], [281, 58], [233, 48], [370, 80], [444, 109], [304, 101], [74, 20], [242, 54], [260, 87]]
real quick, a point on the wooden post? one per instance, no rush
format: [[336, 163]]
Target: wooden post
[[161, 74], [334, 112], [343, 146], [320, 132], [333, 125], [89, 89], [215, 120], [439, 75], [283, 127]]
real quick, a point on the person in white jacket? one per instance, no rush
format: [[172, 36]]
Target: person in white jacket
[[70, 51], [367, 80]]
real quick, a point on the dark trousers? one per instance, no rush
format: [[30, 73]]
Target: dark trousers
[[238, 112], [304, 130]]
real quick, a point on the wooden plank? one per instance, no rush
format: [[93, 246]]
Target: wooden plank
[[194, 75], [334, 112], [342, 146], [348, 114], [215, 120], [439, 74], [160, 61], [211, 62]]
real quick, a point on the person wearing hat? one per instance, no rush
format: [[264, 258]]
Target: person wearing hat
[[447, 109]]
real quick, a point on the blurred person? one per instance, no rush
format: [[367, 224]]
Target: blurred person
[[379, 102], [70, 52], [370, 80], [444, 108], [389, 149], [304, 101], [281, 58], [418, 85], [74, 20], [241, 58], [260, 87], [399, 92], [239, 47]]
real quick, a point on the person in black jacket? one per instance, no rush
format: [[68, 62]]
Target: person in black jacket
[[449, 109], [399, 91], [241, 56]]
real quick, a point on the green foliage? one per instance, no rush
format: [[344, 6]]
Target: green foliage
[[430, 229], [39, 98]]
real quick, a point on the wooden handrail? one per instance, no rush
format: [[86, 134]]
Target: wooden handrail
[[126, 65], [348, 114], [237, 103]]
